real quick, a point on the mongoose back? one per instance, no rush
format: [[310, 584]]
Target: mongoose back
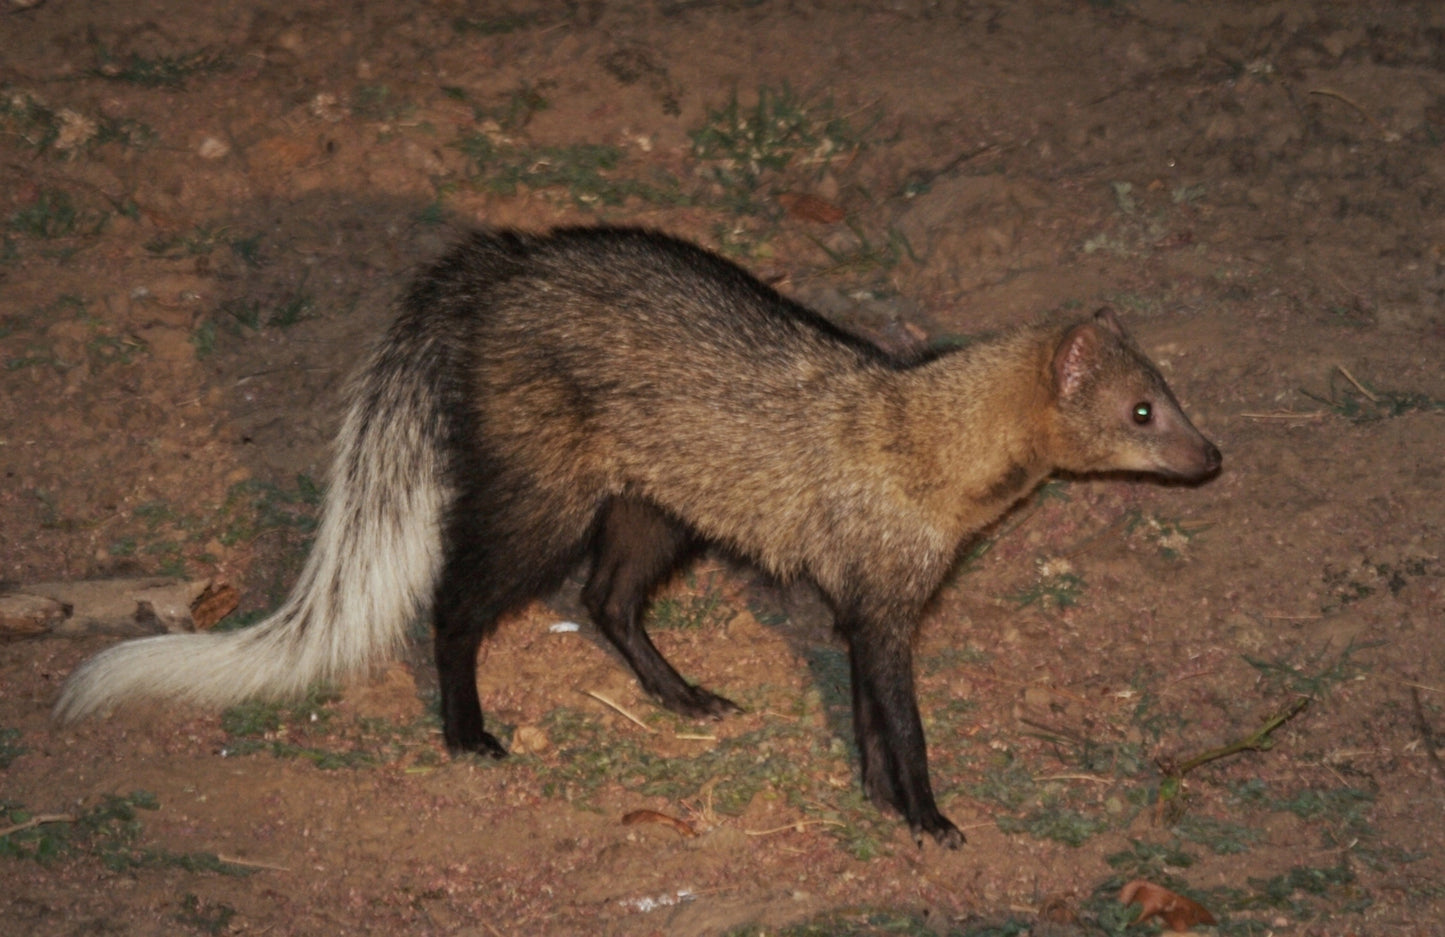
[[619, 396]]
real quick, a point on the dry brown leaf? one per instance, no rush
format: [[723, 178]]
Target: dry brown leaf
[[652, 816], [1178, 912], [218, 601], [806, 207], [1058, 911]]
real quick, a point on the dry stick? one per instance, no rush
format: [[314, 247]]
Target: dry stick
[[1287, 416], [795, 825], [1074, 777], [249, 864], [1328, 93], [607, 702], [38, 820], [1358, 386], [1419, 686], [1256, 741]]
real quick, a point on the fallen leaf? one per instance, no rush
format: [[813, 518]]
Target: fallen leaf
[[811, 208], [1058, 911], [530, 740], [652, 816], [1178, 912], [215, 603]]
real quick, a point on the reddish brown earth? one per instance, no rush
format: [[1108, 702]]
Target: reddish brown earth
[[206, 211]]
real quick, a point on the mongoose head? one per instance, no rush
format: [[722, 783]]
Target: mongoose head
[[1113, 411]]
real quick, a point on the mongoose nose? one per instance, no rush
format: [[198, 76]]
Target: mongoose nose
[[1212, 457]]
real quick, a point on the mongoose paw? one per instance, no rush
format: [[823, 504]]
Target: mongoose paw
[[942, 830], [698, 703], [485, 744]]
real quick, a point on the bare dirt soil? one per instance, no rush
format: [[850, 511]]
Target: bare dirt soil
[[207, 209]]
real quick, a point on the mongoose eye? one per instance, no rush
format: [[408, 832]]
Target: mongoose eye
[[1143, 413]]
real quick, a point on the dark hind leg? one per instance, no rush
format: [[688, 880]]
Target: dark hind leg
[[457, 643], [489, 571], [636, 547]]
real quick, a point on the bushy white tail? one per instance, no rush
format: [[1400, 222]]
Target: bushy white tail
[[370, 573]]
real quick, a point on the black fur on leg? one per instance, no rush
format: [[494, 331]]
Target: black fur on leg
[[635, 548], [461, 707], [889, 729], [493, 566]]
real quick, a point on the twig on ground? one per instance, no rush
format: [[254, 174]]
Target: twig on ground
[[1358, 386], [1172, 784], [1389, 135], [38, 820], [251, 864], [607, 702], [795, 825]]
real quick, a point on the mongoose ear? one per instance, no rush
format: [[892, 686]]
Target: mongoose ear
[[1105, 317], [1076, 358]]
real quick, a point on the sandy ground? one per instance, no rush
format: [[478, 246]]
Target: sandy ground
[[207, 210]]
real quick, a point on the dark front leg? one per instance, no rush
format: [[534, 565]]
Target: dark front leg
[[890, 732]]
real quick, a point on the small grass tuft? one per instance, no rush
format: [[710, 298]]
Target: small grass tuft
[[1316, 677], [254, 507], [204, 916], [1057, 586], [1358, 402], [744, 148], [54, 215], [1065, 825], [587, 172], [63, 132], [494, 25], [109, 832], [170, 72], [690, 610], [1170, 536], [308, 729], [10, 747]]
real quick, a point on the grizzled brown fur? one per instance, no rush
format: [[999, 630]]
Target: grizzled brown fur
[[618, 396]]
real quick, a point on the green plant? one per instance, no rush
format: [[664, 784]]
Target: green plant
[[1358, 402], [1170, 536], [162, 71], [1065, 825], [64, 132], [744, 147], [1364, 577], [494, 25], [204, 338], [880, 922], [254, 507], [689, 610], [1316, 678], [206, 917], [259, 719], [109, 832], [309, 729], [377, 103], [587, 172], [869, 256], [53, 215], [1222, 837], [10, 747], [518, 109], [1057, 586]]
